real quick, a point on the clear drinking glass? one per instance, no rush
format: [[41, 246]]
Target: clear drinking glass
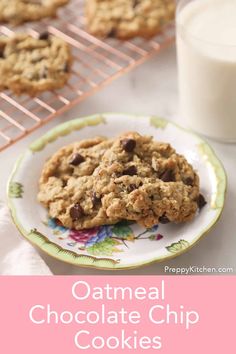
[[206, 52]]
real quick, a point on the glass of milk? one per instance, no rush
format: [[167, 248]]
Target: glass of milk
[[206, 47]]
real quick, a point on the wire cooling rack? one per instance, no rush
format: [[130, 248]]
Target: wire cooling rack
[[96, 63]]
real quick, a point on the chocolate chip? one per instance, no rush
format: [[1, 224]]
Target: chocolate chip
[[201, 201], [112, 33], [1, 53], [64, 184], [95, 199], [188, 181], [168, 176], [58, 222], [132, 187], [128, 144], [44, 35], [164, 219], [135, 3], [76, 212], [76, 159], [130, 171], [66, 68]]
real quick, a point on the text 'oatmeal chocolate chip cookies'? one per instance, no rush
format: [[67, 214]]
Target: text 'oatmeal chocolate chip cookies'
[[128, 18], [19, 11], [132, 177], [33, 65]]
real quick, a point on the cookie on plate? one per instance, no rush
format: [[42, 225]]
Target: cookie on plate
[[18, 11], [33, 65], [146, 181], [99, 181], [149, 201], [128, 18], [66, 186], [136, 155]]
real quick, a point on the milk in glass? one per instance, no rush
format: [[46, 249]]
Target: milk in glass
[[206, 46]]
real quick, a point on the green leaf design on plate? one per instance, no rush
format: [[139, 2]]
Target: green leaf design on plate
[[178, 246], [69, 256], [15, 190], [158, 122], [152, 237], [106, 247], [122, 230], [65, 129], [36, 237], [208, 154]]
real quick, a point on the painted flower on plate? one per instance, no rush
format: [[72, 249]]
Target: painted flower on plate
[[83, 236]]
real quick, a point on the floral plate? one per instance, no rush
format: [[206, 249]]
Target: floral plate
[[124, 245]]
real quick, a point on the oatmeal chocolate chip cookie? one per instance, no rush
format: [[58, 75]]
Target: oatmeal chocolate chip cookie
[[146, 181], [75, 160], [33, 65], [132, 177], [66, 186], [128, 18], [133, 154], [76, 205], [18, 11], [148, 201]]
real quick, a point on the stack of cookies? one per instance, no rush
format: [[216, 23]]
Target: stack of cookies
[[103, 181]]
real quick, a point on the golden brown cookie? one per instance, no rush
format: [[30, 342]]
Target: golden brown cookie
[[67, 186], [99, 181], [18, 11], [128, 18], [146, 181], [33, 65]]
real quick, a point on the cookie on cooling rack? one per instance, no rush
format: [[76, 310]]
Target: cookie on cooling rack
[[33, 65], [19, 11], [128, 18]]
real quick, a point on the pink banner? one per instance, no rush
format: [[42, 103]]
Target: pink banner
[[118, 314]]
